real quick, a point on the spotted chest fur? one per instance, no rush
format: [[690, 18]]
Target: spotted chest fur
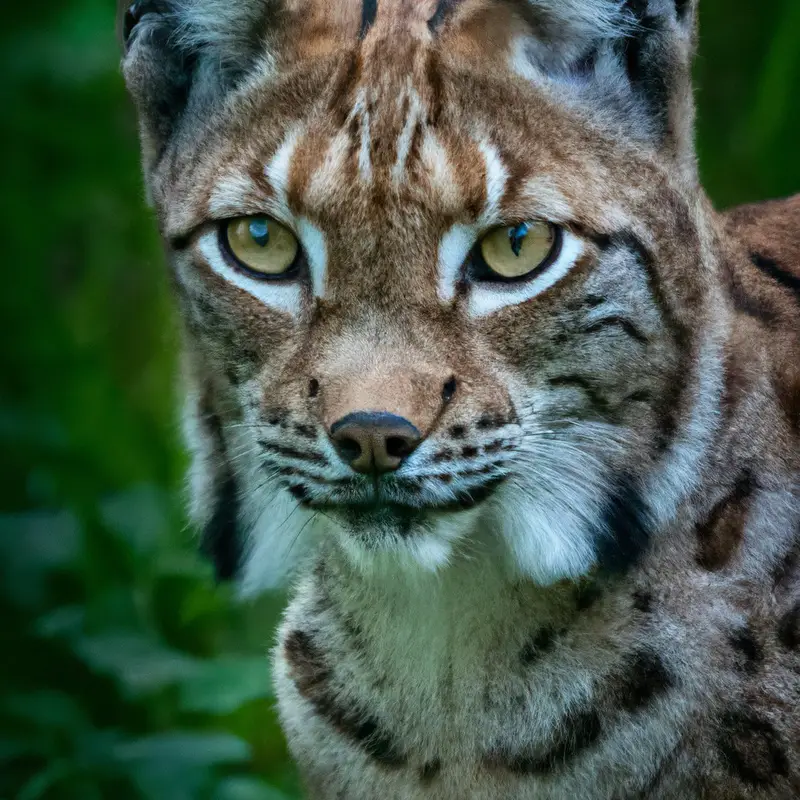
[[469, 355]]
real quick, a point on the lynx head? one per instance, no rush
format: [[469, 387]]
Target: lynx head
[[441, 272]]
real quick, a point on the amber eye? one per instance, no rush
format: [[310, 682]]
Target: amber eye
[[261, 246], [516, 251]]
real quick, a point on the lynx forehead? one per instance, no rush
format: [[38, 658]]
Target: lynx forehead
[[468, 351]]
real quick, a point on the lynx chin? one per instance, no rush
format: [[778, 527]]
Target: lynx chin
[[471, 360]]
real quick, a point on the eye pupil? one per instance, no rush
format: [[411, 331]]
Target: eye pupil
[[517, 236], [259, 232]]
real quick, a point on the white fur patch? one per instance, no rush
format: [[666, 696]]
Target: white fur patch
[[542, 198], [496, 178], [438, 170], [313, 242], [278, 169], [361, 112], [230, 194], [453, 250]]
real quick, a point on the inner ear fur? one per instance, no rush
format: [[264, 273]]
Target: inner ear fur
[[627, 62]]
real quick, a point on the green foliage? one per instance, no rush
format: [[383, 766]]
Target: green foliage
[[126, 671]]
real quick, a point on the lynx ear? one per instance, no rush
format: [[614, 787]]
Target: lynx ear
[[627, 62], [182, 56]]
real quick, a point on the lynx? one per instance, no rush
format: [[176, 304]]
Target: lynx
[[471, 358]]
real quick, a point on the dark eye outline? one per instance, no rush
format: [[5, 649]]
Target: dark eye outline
[[479, 271], [296, 270]]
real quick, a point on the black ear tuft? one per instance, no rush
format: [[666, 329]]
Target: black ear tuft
[[221, 540]]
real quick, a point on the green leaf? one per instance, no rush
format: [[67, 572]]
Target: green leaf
[[47, 709], [239, 787], [224, 684], [31, 546], [140, 663], [183, 749], [140, 515]]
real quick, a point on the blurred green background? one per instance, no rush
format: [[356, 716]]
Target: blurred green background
[[124, 671]]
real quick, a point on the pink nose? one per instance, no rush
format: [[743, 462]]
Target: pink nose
[[374, 441]]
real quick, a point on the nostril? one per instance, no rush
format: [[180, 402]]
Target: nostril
[[399, 446], [349, 449], [449, 390]]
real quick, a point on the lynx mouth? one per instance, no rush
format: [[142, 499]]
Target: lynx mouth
[[401, 504]]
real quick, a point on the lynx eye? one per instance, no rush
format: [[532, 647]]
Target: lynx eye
[[514, 252], [261, 246]]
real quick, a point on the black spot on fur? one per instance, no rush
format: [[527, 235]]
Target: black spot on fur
[[291, 452], [643, 601], [458, 431], [577, 731], [681, 7], [624, 531], [587, 595], [720, 536], [469, 452], [538, 646], [299, 492], [644, 678], [788, 570], [220, 540], [489, 422], [429, 771], [789, 628], [596, 400], [746, 302], [771, 268], [620, 323], [751, 749], [750, 651], [306, 431], [312, 675]]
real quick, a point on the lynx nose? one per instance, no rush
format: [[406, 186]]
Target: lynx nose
[[374, 442]]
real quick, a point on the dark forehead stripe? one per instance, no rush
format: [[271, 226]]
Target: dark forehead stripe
[[313, 678], [443, 10], [369, 10]]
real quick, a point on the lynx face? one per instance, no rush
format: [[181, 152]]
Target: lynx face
[[439, 276]]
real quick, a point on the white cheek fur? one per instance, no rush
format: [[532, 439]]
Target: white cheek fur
[[280, 296]]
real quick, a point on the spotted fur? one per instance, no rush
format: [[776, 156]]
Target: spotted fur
[[585, 582]]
